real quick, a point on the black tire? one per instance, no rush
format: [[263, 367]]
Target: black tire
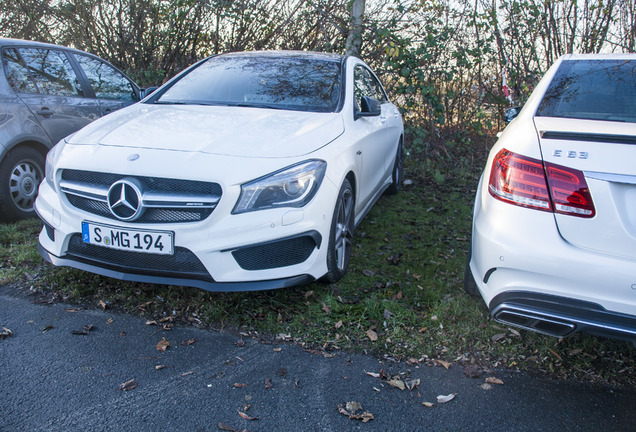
[[398, 172], [341, 234], [21, 172], [469, 281]]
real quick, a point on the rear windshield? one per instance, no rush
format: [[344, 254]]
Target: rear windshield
[[266, 82], [592, 89]]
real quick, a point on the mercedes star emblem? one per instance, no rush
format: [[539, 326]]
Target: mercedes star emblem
[[124, 200]]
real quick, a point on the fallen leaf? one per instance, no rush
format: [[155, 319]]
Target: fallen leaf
[[368, 272], [373, 374], [422, 330], [187, 373], [373, 336], [159, 367], [5, 333], [428, 404], [128, 385], [498, 337], [398, 383], [153, 322], [309, 294], [386, 314], [109, 321], [555, 354], [351, 411], [163, 345], [240, 343], [486, 386], [493, 380], [103, 304], [246, 417], [47, 328], [277, 349], [575, 351], [326, 308], [443, 363], [86, 330], [338, 324], [227, 428], [412, 383], [443, 399], [239, 385], [72, 310], [268, 383], [188, 342], [472, 371]]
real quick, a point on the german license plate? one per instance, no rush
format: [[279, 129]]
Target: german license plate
[[135, 240]]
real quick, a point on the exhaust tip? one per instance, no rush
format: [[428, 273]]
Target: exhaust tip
[[532, 321]]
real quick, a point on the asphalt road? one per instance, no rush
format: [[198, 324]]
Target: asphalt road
[[54, 380]]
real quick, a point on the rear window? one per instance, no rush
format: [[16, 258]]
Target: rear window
[[593, 90], [270, 82]]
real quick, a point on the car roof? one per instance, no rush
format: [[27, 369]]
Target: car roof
[[310, 55], [608, 56], [7, 42]]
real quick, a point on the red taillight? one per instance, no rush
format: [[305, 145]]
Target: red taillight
[[521, 180]]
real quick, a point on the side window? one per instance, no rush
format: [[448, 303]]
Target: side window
[[16, 72], [107, 82], [51, 71], [366, 84]]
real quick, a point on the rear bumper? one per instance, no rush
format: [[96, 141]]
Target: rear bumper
[[560, 316]]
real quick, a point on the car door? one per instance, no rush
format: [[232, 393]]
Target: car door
[[111, 88], [378, 135], [45, 80]]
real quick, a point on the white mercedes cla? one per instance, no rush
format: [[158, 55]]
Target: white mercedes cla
[[554, 226], [247, 171]]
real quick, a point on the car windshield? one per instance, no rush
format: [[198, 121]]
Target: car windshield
[[592, 89], [299, 84]]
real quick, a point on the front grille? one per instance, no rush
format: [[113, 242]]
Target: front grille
[[87, 191], [184, 263], [276, 254]]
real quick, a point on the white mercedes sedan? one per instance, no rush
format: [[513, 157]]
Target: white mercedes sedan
[[247, 171], [554, 225]]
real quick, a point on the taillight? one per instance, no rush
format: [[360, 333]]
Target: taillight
[[521, 180]]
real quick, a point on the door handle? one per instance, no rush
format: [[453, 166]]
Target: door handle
[[45, 112]]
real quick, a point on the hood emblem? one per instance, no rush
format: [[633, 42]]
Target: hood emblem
[[124, 200]]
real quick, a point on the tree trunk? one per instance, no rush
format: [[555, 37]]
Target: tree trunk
[[354, 38]]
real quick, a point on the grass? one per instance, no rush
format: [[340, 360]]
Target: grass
[[402, 297]]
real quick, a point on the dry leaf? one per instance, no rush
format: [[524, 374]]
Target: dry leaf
[[163, 345], [373, 336], [443, 399], [493, 380], [268, 384], [555, 354], [239, 385], [326, 308], [386, 314], [498, 337], [188, 342], [153, 322], [486, 386], [5, 333], [446, 364], [159, 367], [240, 343], [103, 304], [368, 272], [396, 383], [227, 428], [373, 374], [575, 351], [351, 411], [246, 417], [47, 328], [338, 324], [128, 385], [428, 404], [412, 383], [72, 310]]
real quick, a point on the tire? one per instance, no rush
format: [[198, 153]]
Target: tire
[[398, 172], [21, 172], [469, 281], [340, 235]]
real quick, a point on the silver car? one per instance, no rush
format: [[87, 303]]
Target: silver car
[[46, 93]]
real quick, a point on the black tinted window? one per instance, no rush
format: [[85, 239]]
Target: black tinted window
[[51, 71], [281, 83], [592, 89], [17, 72], [366, 84], [107, 82]]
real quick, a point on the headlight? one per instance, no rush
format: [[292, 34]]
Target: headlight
[[293, 186], [51, 156]]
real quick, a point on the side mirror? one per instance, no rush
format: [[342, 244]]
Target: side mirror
[[145, 92], [511, 113], [369, 107]]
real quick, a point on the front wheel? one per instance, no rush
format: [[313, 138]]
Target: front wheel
[[341, 234], [21, 172]]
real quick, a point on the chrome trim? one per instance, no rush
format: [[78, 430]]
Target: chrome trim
[[614, 178]]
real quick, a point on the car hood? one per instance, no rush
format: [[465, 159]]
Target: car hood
[[230, 131]]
